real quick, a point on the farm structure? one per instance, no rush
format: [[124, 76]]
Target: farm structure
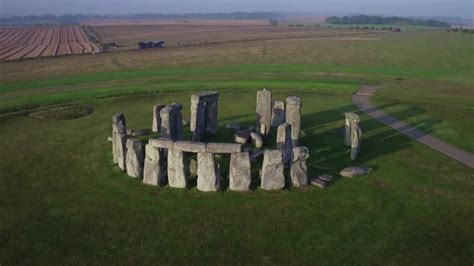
[[20, 43]]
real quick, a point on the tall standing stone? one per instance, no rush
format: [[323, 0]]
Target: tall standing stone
[[153, 173], [299, 169], [356, 139], [177, 133], [284, 143], [350, 119], [119, 139], [156, 125], [239, 171], [272, 174], [135, 158], [278, 113], [198, 118], [171, 122], [293, 117], [208, 179], [177, 174], [264, 112], [211, 117]]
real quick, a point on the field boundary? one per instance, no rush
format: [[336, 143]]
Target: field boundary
[[363, 100]]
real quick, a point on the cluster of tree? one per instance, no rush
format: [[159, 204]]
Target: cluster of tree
[[461, 30], [363, 19], [231, 15], [371, 28]]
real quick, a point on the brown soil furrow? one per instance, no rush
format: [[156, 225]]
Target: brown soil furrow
[[50, 50], [12, 52], [83, 35], [13, 39], [48, 36], [7, 35], [78, 33], [75, 48], [38, 51], [27, 49], [41, 37], [7, 49], [31, 37], [22, 40], [67, 41], [36, 37]]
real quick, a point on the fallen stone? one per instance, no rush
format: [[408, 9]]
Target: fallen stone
[[326, 178], [299, 169], [355, 171], [318, 182], [239, 172], [109, 138], [272, 175], [135, 158], [242, 136], [233, 127], [257, 140]]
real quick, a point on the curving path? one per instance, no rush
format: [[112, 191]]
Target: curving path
[[362, 99]]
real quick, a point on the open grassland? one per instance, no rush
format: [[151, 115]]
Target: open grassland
[[20, 43], [198, 32], [63, 201]]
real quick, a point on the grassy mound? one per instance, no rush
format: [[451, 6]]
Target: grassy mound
[[63, 113]]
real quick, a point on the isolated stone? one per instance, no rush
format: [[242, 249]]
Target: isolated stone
[[257, 140], [350, 119], [355, 171], [208, 179], [264, 112], [239, 172], [272, 173], [326, 178], [278, 113], [284, 143], [153, 173], [356, 139], [242, 136], [156, 123], [299, 169], [177, 176], [135, 158], [119, 140], [293, 117], [318, 182]]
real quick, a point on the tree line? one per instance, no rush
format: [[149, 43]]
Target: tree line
[[364, 19]]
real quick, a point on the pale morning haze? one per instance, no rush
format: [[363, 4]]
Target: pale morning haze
[[451, 8]]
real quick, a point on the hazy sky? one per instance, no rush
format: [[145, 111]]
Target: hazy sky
[[459, 8]]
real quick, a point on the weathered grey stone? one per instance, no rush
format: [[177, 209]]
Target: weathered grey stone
[[156, 123], [264, 112], [190, 146], [318, 182], [177, 175], [350, 119], [356, 139], [355, 171], [214, 147], [139, 132], [119, 140], [211, 117], [153, 173], [257, 140], [161, 143], [326, 178], [242, 136], [193, 168], [299, 169], [204, 111], [208, 179], [278, 113], [135, 158], [110, 139], [284, 143], [293, 117], [239, 172], [233, 127], [171, 122], [272, 175]]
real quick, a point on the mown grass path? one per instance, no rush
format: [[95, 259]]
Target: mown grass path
[[362, 99]]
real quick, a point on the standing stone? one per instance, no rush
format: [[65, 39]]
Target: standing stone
[[119, 139], [239, 171], [356, 139], [153, 173], [211, 117], [172, 122], [299, 169], [278, 113], [257, 140], [272, 175], [293, 117], [208, 179], [264, 112], [177, 175], [135, 158], [156, 125], [177, 127], [198, 118], [350, 119], [284, 143]]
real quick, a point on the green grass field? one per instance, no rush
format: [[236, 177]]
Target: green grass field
[[64, 202]]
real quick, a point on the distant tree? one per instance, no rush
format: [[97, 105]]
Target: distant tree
[[363, 19]]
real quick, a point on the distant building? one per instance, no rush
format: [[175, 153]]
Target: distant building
[[397, 30], [151, 44]]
